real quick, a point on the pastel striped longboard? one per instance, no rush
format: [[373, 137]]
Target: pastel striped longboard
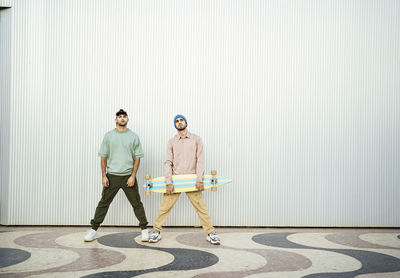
[[184, 183]]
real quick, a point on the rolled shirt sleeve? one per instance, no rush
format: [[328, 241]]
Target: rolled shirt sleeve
[[169, 158], [200, 160]]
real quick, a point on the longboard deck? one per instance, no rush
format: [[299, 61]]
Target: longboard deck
[[184, 183]]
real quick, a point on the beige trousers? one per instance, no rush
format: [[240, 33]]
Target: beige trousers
[[196, 198]]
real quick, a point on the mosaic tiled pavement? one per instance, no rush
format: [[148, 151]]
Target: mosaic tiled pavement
[[184, 252]]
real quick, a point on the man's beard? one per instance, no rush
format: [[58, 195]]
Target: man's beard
[[181, 128], [124, 124]]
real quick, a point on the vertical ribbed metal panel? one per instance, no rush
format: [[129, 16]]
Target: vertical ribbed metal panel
[[6, 3], [5, 81], [297, 101]]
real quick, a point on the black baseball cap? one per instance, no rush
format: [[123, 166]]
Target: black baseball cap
[[121, 112]]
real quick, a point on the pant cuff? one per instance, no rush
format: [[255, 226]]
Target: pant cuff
[[94, 226]]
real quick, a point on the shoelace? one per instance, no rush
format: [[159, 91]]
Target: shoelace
[[214, 236], [154, 234]]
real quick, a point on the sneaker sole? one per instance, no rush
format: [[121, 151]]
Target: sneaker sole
[[86, 240], [214, 243], [154, 241]]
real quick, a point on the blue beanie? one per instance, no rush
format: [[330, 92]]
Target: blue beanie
[[179, 116]]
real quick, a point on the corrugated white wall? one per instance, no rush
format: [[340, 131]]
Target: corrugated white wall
[[5, 90], [5, 4], [297, 101]]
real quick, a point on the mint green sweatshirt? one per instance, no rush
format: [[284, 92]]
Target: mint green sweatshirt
[[121, 149]]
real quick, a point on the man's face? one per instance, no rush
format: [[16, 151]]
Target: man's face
[[180, 124], [122, 120]]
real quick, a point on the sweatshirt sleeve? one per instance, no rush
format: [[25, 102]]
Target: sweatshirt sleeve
[[105, 147], [138, 151]]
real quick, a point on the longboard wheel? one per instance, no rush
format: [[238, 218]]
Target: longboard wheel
[[213, 172], [147, 177]]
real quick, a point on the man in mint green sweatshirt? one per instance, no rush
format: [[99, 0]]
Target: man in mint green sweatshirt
[[120, 155]]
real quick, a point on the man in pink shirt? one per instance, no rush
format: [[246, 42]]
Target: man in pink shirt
[[184, 155]]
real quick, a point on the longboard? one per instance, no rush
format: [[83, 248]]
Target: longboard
[[185, 183]]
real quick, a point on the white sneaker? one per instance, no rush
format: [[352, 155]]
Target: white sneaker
[[155, 236], [91, 235], [145, 235], [213, 238]]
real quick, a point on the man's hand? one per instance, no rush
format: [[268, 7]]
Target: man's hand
[[105, 182], [131, 181], [200, 186], [170, 188]]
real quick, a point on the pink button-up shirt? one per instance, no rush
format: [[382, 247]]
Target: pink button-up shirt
[[184, 156]]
